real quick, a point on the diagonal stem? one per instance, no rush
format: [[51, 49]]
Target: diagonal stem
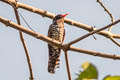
[[67, 65], [108, 12], [118, 44], [27, 56], [93, 32], [23, 42]]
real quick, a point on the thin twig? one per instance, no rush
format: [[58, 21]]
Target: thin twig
[[27, 56], [25, 21], [23, 43], [67, 65], [118, 44], [68, 21], [20, 15], [112, 20], [93, 32], [54, 42], [108, 12]]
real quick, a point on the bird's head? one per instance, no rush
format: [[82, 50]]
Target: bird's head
[[59, 18]]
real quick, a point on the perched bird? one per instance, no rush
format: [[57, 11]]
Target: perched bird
[[56, 32]]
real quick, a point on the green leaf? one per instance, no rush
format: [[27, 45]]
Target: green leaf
[[112, 78], [89, 72]]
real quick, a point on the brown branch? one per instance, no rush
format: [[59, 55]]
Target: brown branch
[[112, 20], [108, 12], [54, 42], [29, 32], [118, 44], [51, 15], [67, 65], [93, 32], [27, 56], [23, 43], [95, 53]]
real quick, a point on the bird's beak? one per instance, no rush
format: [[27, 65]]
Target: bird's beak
[[64, 15]]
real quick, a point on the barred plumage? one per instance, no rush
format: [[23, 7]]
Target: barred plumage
[[56, 32]]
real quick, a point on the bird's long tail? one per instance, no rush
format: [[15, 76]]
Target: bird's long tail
[[53, 63]]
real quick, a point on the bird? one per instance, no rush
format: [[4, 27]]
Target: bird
[[56, 32]]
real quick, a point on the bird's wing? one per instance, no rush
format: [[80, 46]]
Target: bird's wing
[[50, 30], [63, 36]]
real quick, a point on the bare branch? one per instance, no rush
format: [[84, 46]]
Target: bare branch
[[67, 65], [54, 42], [51, 15], [118, 44], [95, 53], [27, 56], [23, 43], [30, 32], [93, 32], [108, 12], [112, 20]]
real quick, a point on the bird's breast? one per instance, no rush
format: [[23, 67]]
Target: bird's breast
[[58, 32]]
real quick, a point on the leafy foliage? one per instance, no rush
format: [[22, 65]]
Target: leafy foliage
[[112, 78], [89, 72]]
